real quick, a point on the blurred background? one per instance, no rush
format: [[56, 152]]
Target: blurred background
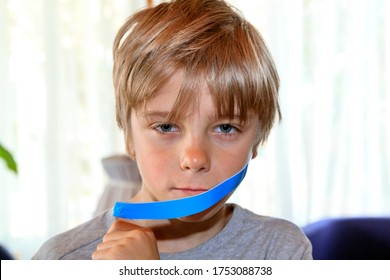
[[329, 157]]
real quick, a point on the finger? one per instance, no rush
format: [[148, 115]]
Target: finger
[[131, 234], [125, 240], [104, 254], [126, 248], [106, 244], [120, 225]]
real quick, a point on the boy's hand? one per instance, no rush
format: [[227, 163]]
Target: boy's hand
[[126, 241]]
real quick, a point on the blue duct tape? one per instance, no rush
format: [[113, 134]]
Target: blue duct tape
[[178, 208]]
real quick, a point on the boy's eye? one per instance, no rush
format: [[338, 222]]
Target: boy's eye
[[226, 128], [166, 127]]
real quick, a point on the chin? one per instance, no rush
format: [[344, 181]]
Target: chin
[[197, 218], [205, 215]]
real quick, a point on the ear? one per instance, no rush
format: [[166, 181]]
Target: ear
[[259, 141], [254, 151], [130, 151], [129, 144], [256, 146]]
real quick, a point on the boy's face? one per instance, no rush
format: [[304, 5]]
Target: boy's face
[[190, 155]]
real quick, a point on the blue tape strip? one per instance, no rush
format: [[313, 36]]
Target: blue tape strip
[[178, 208]]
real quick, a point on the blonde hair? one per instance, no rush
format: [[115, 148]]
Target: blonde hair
[[210, 42]]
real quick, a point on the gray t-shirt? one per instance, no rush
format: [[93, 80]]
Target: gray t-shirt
[[246, 236]]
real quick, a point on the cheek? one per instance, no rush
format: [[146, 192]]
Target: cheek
[[233, 161], [154, 167]]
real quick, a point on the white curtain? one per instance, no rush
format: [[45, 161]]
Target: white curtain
[[331, 154], [328, 157], [56, 113]]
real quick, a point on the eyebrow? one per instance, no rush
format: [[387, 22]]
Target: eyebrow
[[224, 116], [166, 114], [156, 114]]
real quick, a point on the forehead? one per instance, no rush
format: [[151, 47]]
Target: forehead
[[175, 99], [167, 94], [186, 92]]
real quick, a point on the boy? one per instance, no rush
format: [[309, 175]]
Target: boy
[[196, 94]]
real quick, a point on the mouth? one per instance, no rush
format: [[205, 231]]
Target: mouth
[[188, 191]]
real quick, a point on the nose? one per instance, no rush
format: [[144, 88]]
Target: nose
[[195, 158]]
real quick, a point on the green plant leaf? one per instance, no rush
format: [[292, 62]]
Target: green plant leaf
[[8, 158]]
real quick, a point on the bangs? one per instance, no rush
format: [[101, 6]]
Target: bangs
[[226, 93]]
